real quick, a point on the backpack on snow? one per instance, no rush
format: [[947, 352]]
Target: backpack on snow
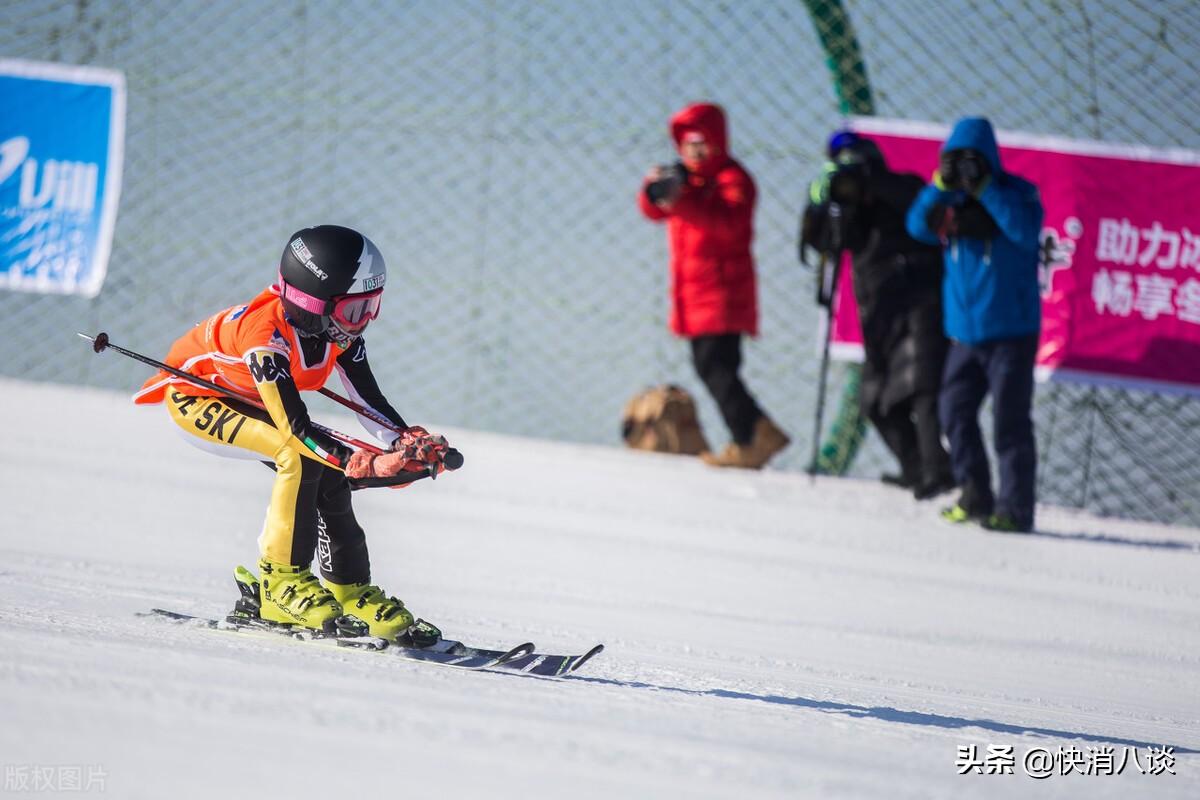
[[663, 419]]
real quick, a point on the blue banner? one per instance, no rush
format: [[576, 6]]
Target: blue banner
[[62, 140]]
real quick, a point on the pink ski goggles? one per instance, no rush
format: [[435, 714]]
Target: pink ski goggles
[[351, 312]]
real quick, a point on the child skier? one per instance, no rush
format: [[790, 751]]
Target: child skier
[[289, 339]]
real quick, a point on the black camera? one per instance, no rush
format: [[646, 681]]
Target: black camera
[[963, 169], [971, 170], [673, 178], [848, 185]]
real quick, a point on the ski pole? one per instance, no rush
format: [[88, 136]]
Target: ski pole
[[361, 409], [453, 459], [100, 343], [820, 413]]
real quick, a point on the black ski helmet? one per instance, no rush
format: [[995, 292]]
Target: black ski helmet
[[847, 146], [320, 265]]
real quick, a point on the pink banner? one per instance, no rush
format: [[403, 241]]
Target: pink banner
[[1120, 260]]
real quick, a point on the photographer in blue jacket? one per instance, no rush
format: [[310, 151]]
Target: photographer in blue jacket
[[987, 222]]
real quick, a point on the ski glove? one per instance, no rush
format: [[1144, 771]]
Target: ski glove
[[818, 190], [365, 464], [413, 451], [420, 445]]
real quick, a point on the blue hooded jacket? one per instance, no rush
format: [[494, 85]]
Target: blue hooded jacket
[[990, 288]]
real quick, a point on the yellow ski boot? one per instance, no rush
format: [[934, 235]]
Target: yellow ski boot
[[386, 616], [292, 595]]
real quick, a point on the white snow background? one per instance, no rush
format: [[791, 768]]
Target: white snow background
[[766, 636]]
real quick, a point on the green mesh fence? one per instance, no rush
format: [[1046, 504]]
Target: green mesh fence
[[493, 151]]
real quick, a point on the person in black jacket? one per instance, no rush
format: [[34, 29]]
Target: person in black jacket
[[859, 205]]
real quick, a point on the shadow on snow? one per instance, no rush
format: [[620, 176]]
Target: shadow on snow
[[1108, 538], [888, 714]]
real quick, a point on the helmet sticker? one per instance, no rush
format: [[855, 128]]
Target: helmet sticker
[[304, 256], [301, 251], [371, 272]]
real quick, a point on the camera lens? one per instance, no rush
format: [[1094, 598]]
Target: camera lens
[[673, 176], [845, 188], [970, 168]]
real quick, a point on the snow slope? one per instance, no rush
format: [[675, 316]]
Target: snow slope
[[767, 637]]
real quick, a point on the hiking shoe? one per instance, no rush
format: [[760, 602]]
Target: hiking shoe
[[768, 440], [1005, 523], [959, 515], [933, 487]]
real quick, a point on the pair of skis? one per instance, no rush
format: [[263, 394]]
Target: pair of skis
[[520, 659]]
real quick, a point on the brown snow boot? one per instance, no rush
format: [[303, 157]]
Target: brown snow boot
[[768, 440]]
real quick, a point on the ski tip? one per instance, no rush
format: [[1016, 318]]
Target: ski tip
[[583, 659], [520, 651]]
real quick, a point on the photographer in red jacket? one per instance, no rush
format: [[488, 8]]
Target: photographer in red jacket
[[707, 200]]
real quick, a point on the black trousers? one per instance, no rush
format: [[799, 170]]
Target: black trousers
[[341, 544], [911, 431], [717, 359], [1004, 368]]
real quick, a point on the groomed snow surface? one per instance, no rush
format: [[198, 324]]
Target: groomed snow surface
[[767, 636]]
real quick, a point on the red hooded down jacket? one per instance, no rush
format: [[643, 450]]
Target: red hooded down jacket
[[710, 230]]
